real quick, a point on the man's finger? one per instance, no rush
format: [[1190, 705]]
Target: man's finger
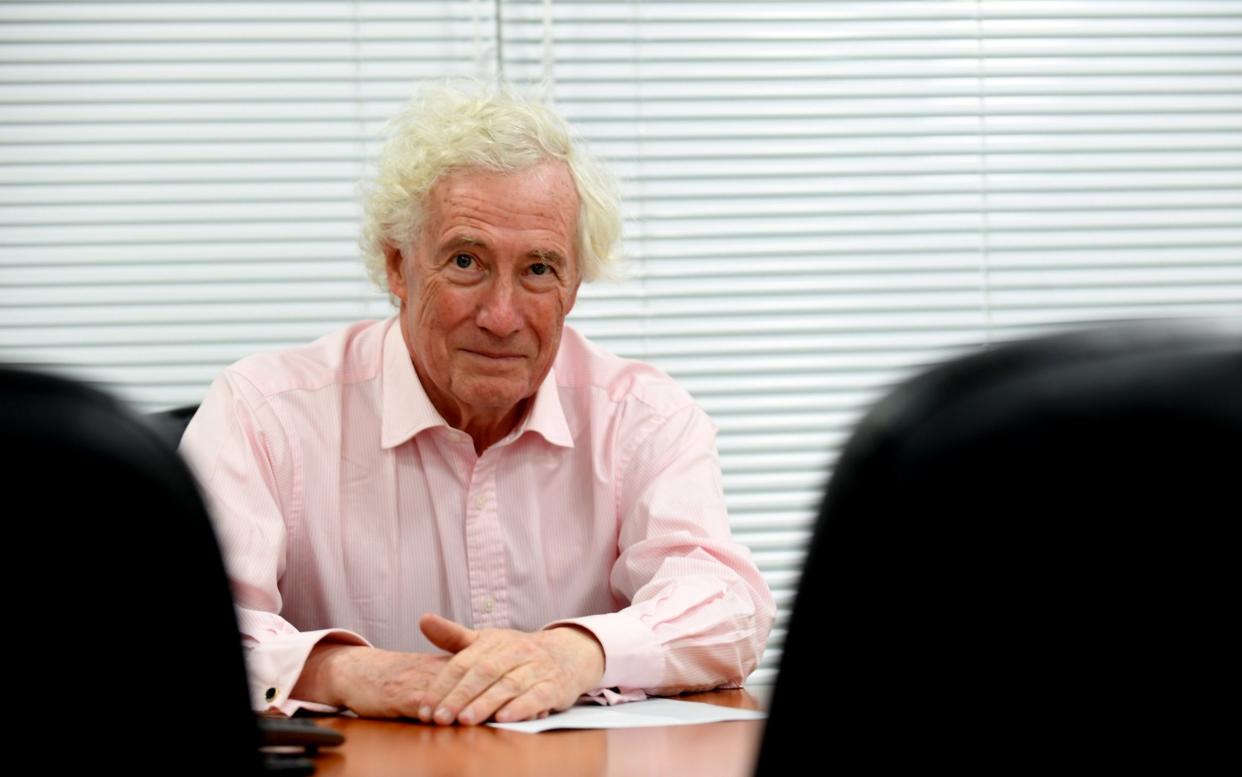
[[468, 675], [452, 675], [538, 700], [445, 634], [513, 685]]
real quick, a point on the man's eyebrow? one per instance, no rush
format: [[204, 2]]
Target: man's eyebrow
[[548, 255], [459, 240]]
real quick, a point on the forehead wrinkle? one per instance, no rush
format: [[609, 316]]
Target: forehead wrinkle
[[456, 202], [547, 242], [561, 207], [475, 216]]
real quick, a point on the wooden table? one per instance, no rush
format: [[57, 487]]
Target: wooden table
[[382, 748]]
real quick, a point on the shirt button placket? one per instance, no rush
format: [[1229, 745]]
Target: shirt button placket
[[483, 536]]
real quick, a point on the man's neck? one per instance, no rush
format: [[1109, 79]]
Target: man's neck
[[486, 432]]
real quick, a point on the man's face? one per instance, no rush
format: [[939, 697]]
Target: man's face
[[486, 290]]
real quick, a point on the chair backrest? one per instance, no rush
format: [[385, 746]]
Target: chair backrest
[[125, 647], [1033, 547], [171, 424]]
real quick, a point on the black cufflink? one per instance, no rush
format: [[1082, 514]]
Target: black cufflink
[[271, 694]]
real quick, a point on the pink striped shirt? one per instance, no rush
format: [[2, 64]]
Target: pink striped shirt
[[346, 508]]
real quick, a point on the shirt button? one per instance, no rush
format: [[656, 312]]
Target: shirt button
[[479, 502], [489, 605]]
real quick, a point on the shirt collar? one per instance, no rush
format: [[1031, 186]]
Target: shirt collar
[[546, 417], [406, 409]]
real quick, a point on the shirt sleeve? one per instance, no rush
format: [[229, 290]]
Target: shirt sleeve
[[248, 474], [699, 612]]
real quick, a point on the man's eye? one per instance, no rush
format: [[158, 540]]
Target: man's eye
[[463, 261], [539, 268]]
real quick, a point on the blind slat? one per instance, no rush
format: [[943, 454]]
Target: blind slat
[[821, 198]]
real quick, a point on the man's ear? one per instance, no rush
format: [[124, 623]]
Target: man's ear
[[396, 273]]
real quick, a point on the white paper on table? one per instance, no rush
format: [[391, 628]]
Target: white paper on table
[[635, 714]]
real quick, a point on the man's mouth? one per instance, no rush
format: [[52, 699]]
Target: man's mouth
[[494, 355]]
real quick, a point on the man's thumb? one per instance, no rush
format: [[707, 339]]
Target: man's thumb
[[445, 634]]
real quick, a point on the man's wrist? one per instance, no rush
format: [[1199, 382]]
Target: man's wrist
[[590, 652], [319, 681]]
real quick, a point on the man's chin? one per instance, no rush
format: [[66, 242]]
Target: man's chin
[[492, 396]]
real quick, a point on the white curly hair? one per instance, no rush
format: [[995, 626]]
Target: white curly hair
[[457, 124]]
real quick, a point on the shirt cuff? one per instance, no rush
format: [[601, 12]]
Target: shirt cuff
[[609, 696], [276, 663], [633, 657]]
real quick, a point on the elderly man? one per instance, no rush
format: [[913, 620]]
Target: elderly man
[[552, 512]]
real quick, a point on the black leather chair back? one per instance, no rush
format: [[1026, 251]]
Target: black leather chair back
[[124, 649], [171, 424], [1029, 550]]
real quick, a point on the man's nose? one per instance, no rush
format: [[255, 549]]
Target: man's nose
[[499, 311]]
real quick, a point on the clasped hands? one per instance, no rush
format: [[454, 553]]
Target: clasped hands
[[503, 674]]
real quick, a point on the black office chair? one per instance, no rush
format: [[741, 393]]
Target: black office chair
[[1026, 556], [123, 643], [171, 424]]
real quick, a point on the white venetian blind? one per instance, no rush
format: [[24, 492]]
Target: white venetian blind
[[821, 196], [824, 196], [178, 181]]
